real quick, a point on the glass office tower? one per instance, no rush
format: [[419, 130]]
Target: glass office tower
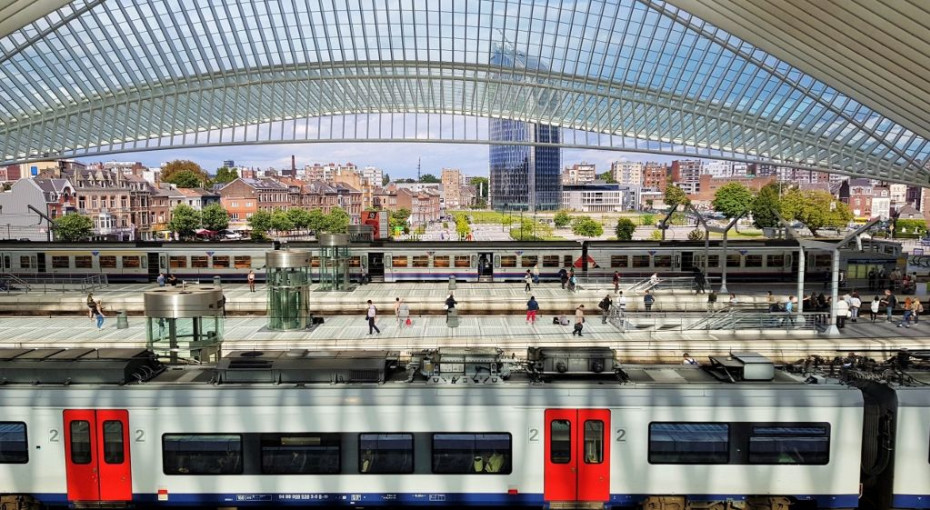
[[524, 177]]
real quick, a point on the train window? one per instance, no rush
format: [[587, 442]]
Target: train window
[[61, 262], [593, 442], [420, 261], [221, 262], [472, 453], [202, 454], [242, 262], [689, 443], [199, 261], [753, 261], [619, 261], [398, 261], [662, 261], [806, 443], [83, 261], [775, 260], [304, 454], [641, 260], [567, 260], [13, 446], [733, 259], [713, 261], [113, 442], [462, 261], [107, 262], [441, 261], [508, 261], [385, 453], [24, 262], [6, 262], [80, 442], [355, 261], [315, 262], [551, 261], [529, 260], [560, 442], [177, 262], [822, 260]]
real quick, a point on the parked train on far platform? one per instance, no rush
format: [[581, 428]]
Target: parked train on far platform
[[657, 438], [767, 260]]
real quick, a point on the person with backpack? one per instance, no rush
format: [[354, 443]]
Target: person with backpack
[[579, 321], [532, 308], [605, 305]]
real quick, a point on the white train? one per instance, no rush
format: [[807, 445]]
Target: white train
[[424, 261], [669, 437]]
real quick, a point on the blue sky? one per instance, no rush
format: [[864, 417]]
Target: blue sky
[[397, 159]]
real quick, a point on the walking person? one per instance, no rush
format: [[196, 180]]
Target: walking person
[[251, 279], [397, 302], [579, 321], [605, 305], [404, 314], [527, 278], [908, 312], [874, 308], [621, 302], [91, 306], [648, 301], [98, 311], [616, 282], [563, 277], [371, 315], [712, 300], [842, 311], [450, 305], [536, 273], [532, 308]]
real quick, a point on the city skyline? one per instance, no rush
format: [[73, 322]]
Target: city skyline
[[399, 160]]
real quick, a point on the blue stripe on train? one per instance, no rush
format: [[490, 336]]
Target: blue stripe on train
[[448, 499], [910, 501]]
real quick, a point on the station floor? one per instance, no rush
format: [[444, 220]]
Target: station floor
[[653, 339]]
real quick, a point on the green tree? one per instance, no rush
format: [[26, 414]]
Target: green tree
[[300, 218], [732, 200], [281, 222], [675, 196], [607, 176], [182, 165], [909, 229], [317, 221], [696, 235], [587, 227], [184, 220], [765, 205], [562, 219], [260, 223], [337, 221], [385, 179], [648, 219], [398, 219], [214, 217], [429, 178], [224, 175], [625, 228], [481, 187], [815, 209], [72, 227], [185, 179]]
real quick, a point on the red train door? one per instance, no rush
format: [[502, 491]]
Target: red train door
[[97, 455], [577, 465]]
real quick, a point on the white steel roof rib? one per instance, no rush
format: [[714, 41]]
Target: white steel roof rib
[[835, 85]]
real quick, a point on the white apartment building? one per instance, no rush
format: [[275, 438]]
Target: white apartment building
[[627, 173]]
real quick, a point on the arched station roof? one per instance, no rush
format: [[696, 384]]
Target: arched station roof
[[96, 77]]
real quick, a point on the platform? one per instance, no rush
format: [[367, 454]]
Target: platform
[[422, 298], [663, 338]]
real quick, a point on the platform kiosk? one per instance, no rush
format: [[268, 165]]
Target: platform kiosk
[[334, 262], [185, 324], [288, 277]]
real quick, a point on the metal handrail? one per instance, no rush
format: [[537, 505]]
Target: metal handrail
[[59, 281], [758, 319], [11, 280]]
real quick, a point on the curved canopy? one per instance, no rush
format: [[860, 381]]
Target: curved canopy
[[93, 77]]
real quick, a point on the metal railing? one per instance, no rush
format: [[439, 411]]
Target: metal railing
[[10, 282], [733, 319], [56, 282]]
